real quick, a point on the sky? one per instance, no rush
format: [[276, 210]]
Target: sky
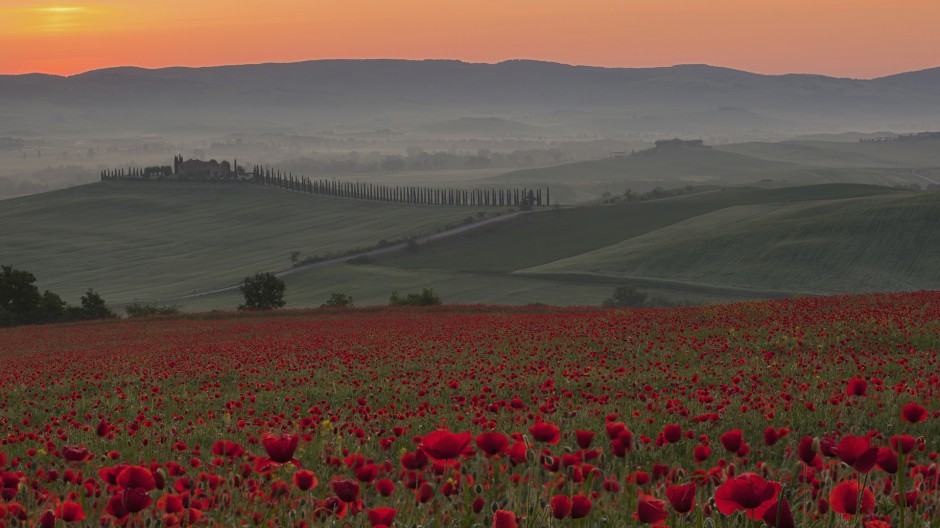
[[842, 38]]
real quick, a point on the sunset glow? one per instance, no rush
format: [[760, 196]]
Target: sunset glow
[[860, 38]]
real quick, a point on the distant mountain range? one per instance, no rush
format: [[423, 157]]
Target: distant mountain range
[[400, 94]]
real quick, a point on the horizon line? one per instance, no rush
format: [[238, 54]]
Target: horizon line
[[462, 61]]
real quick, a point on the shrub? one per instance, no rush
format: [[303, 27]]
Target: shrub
[[338, 300], [145, 310], [626, 297], [427, 297]]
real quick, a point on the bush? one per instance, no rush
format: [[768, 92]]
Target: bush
[[338, 300], [145, 310], [94, 306], [263, 291], [626, 297], [427, 297]]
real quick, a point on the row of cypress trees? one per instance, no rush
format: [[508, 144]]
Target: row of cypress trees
[[518, 197]]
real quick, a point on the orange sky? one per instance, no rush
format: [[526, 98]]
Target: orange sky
[[849, 38]]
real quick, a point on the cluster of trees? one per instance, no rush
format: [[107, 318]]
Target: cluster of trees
[[630, 297], [21, 303], [522, 198], [265, 291], [427, 297]]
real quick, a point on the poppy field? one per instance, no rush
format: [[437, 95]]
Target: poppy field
[[818, 411]]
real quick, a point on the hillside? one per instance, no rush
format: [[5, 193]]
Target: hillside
[[328, 93], [836, 246], [778, 164], [139, 240]]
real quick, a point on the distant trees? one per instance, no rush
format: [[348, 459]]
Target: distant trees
[[427, 297], [263, 291], [22, 304], [626, 297], [338, 300]]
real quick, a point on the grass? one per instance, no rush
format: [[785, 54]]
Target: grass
[[141, 241], [863, 244]]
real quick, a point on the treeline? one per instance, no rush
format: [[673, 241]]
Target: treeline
[[22, 304], [136, 173], [523, 198]]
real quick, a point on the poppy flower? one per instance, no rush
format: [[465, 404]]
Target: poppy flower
[[280, 448], [580, 506], [115, 506], [346, 489], [561, 506], [46, 520], [385, 487], [136, 477], [732, 440], [778, 515], [913, 413], [857, 452], [650, 510], [70, 511], [844, 499], [76, 454], [381, 516], [135, 500], [903, 444], [856, 387], [304, 479], [700, 453], [492, 443], [806, 450], [445, 445], [887, 461], [681, 497], [747, 491], [584, 438], [672, 433], [545, 432], [504, 519]]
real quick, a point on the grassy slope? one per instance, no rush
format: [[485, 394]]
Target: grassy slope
[[876, 243], [773, 164], [136, 240]]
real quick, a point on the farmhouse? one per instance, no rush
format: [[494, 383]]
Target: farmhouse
[[204, 170]]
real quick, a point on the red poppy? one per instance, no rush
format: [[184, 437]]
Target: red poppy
[[504, 519], [492, 443], [545, 432], [444, 445], [913, 413], [844, 499], [732, 440], [650, 510], [70, 511], [346, 489], [857, 452], [136, 477], [903, 444], [280, 447], [701, 453], [584, 438], [135, 500], [561, 506], [580, 506], [778, 515], [770, 436], [856, 387], [46, 520], [681, 497], [672, 433], [887, 460], [304, 479], [116, 507], [76, 454], [807, 450], [381, 516], [385, 487], [747, 491]]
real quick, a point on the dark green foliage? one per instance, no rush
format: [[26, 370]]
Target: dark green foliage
[[427, 297], [626, 297], [263, 291], [338, 300], [145, 310], [94, 306], [21, 303]]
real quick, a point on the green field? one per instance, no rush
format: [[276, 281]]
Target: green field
[[143, 241], [745, 164]]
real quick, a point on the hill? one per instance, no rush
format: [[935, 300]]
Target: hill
[[492, 127], [328, 93], [755, 163], [140, 240]]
